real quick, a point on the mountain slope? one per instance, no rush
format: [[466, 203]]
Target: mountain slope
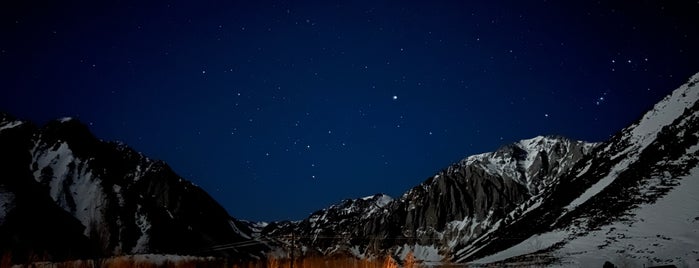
[[31, 224], [617, 191], [123, 202], [541, 201], [538, 199], [450, 209]]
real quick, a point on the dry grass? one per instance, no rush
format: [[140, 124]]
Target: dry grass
[[322, 262], [157, 261], [136, 261]]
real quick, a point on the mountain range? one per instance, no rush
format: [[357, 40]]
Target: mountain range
[[548, 200]]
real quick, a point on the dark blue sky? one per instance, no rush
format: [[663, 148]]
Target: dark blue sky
[[278, 109]]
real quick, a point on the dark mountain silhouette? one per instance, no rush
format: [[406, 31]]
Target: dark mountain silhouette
[[66, 194]]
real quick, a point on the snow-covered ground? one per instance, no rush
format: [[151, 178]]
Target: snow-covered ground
[[427, 255], [665, 232], [643, 133]]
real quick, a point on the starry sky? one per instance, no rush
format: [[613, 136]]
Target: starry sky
[[278, 109]]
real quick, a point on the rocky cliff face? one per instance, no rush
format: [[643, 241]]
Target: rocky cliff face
[[537, 197], [122, 201], [64, 194], [31, 224], [451, 208]]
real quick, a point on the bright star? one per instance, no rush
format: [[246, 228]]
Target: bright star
[[395, 97]]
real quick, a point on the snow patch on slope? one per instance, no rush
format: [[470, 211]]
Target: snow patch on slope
[[532, 244], [10, 125], [382, 200], [601, 184], [427, 254], [525, 168], [666, 231], [534, 146], [7, 203], [643, 134], [71, 184], [144, 226], [236, 230]]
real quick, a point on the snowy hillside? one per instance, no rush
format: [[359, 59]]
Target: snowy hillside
[[541, 201], [639, 200], [660, 233], [547, 200]]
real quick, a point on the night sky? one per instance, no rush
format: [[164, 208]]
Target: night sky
[[278, 109]]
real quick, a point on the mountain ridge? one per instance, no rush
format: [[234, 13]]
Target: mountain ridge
[[525, 164], [599, 172], [630, 160], [126, 203], [526, 202]]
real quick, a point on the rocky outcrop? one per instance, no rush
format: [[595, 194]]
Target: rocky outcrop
[[122, 201], [451, 208], [490, 202], [635, 168], [66, 194]]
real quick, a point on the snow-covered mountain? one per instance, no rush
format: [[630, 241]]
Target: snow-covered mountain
[[549, 200], [118, 201], [452, 208], [546, 200], [633, 201]]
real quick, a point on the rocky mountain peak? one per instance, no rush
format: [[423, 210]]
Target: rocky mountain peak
[[121, 201]]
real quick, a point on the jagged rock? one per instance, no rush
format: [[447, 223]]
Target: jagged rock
[[118, 200], [529, 202], [489, 202]]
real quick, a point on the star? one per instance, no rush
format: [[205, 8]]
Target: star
[[350, 114]]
